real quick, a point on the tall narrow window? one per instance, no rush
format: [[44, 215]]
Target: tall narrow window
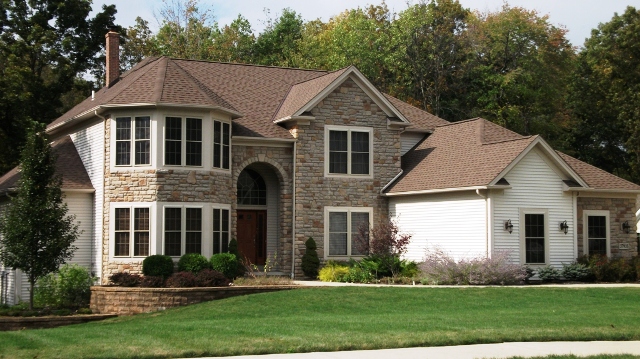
[[220, 230], [221, 144], [348, 150], [194, 142], [141, 232], [534, 228], [143, 140], [173, 141], [182, 231], [123, 141], [193, 235], [597, 234], [173, 231], [122, 231]]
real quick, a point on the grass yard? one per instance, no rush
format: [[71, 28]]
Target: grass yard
[[616, 356], [345, 318]]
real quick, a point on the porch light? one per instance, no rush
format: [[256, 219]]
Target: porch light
[[626, 227], [564, 227], [508, 226]]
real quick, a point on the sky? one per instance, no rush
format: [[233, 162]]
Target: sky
[[577, 16]]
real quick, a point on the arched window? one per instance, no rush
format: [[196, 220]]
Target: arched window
[[252, 189]]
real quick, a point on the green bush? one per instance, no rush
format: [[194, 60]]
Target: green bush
[[576, 272], [157, 265], [310, 260], [356, 274], [225, 263], [548, 274], [233, 249], [333, 271], [193, 262], [68, 288]]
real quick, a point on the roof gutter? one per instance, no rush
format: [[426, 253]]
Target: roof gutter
[[391, 182], [444, 190]]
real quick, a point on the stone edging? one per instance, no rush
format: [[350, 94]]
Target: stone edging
[[127, 300], [19, 323]]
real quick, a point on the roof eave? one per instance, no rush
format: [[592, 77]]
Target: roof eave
[[445, 190], [602, 190]]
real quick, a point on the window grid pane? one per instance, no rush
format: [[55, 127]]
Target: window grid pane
[[358, 219], [123, 141], [534, 238], [143, 141], [141, 234], [597, 234], [217, 144], [226, 145], [172, 231], [338, 151], [122, 235], [194, 142], [338, 233], [173, 141], [359, 152], [193, 242]]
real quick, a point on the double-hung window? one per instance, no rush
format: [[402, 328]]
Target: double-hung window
[[133, 133], [183, 141], [182, 230], [342, 228], [221, 144], [132, 232], [596, 234], [348, 150], [220, 230], [535, 238]]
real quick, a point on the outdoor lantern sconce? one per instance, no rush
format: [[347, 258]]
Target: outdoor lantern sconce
[[564, 227], [626, 227], [508, 226]]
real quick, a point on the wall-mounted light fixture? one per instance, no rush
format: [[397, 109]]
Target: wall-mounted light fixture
[[564, 227], [626, 227], [508, 226]]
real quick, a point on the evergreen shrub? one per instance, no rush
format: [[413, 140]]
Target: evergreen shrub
[[225, 263], [193, 262], [310, 260], [157, 265]]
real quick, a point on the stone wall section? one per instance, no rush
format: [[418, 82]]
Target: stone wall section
[[620, 210], [348, 105]]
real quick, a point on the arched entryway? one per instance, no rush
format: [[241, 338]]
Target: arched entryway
[[258, 197]]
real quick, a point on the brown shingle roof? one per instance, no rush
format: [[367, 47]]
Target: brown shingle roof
[[420, 120], [596, 178], [68, 164], [459, 155]]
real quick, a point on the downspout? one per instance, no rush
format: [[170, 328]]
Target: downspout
[[99, 270], [486, 219], [293, 212]]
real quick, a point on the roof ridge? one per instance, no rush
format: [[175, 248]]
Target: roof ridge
[[322, 75], [250, 65], [212, 95], [162, 74], [511, 140], [136, 78]]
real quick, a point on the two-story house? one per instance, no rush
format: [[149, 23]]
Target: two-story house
[[178, 156]]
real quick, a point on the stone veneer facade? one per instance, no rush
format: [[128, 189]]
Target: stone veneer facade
[[347, 105], [620, 210]]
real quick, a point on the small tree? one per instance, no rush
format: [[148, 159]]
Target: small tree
[[36, 234], [310, 260], [384, 242]]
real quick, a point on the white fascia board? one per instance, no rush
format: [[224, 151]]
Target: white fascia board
[[444, 190], [303, 119], [364, 84], [558, 161]]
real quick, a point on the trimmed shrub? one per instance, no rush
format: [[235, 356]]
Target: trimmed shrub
[[356, 274], [225, 263], [211, 278], [439, 268], [125, 279], [310, 260], [181, 280], [548, 274], [576, 271], [68, 288], [193, 262], [157, 265], [151, 281], [233, 249], [333, 272]]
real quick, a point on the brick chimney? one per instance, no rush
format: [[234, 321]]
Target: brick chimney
[[113, 57]]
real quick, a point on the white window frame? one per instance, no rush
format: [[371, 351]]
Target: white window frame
[[350, 230], [112, 228], [183, 228], [585, 228], [225, 207], [348, 129], [183, 140], [132, 140], [221, 144], [522, 232]]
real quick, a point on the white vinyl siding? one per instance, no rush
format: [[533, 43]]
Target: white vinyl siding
[[536, 188], [453, 222], [89, 143], [408, 140]]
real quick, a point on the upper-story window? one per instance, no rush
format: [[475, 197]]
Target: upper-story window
[[133, 132], [221, 144], [183, 141], [348, 151]]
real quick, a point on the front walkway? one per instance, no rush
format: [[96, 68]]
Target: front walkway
[[500, 350]]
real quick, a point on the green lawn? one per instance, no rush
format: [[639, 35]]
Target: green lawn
[[616, 356], [345, 318]]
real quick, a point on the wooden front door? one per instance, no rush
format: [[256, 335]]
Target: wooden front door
[[252, 235]]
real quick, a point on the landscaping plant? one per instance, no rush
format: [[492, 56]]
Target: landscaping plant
[[548, 274], [193, 262], [384, 243], [151, 281], [157, 265], [211, 278], [333, 271], [310, 260], [181, 280], [123, 279], [576, 272], [225, 263], [68, 288]]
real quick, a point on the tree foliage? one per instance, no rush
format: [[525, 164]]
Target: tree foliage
[[37, 235]]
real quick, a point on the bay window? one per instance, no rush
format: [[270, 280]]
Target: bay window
[[183, 141]]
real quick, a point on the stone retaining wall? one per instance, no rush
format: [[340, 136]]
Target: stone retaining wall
[[20, 323], [127, 301]]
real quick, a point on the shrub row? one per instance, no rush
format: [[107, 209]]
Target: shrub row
[[204, 278], [370, 269], [162, 266], [596, 268]]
